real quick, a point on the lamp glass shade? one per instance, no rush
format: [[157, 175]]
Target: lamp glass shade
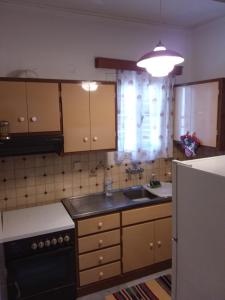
[[160, 62]]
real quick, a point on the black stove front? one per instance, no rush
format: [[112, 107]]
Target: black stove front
[[42, 267]]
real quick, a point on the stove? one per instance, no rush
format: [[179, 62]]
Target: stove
[[39, 251]]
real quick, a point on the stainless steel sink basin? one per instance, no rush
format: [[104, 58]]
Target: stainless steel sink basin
[[138, 193]]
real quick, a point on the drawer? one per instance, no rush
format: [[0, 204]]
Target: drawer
[[98, 241], [98, 258], [98, 224], [148, 213], [100, 273]]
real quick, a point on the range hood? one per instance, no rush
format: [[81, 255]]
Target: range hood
[[31, 144]]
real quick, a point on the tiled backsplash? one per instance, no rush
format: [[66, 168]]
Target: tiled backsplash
[[37, 179]]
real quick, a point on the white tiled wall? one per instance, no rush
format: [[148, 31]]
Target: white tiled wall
[[37, 179]]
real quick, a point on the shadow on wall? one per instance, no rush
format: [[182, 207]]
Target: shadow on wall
[[23, 73]]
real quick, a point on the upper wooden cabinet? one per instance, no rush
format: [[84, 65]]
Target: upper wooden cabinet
[[30, 106], [43, 107], [199, 108], [89, 118]]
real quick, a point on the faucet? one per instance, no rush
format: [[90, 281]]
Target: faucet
[[135, 170]]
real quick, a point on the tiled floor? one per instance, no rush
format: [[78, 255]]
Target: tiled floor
[[101, 295]]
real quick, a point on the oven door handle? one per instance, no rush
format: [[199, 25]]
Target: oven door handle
[[18, 292]]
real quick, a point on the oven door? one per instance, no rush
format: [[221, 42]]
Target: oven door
[[42, 275]]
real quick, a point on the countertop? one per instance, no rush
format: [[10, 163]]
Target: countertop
[[34, 221], [95, 204]]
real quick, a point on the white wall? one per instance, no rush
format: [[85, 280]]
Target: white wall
[[56, 44], [208, 57]]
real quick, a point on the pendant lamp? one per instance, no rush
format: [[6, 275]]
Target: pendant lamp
[[161, 61]]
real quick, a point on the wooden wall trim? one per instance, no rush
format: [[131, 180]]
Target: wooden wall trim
[[120, 64], [49, 80], [199, 82]]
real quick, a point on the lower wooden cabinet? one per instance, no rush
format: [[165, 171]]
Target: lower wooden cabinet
[[163, 239], [100, 273], [150, 243], [98, 258], [111, 246], [99, 241], [137, 246]]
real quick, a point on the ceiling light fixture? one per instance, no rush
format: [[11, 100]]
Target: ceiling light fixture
[[89, 86], [161, 61]]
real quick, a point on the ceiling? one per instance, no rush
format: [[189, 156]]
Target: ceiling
[[181, 13]]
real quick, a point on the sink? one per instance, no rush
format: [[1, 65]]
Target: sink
[[138, 193]]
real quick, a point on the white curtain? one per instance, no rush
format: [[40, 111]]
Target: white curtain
[[145, 113]]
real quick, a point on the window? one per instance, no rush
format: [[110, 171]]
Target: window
[[144, 116]]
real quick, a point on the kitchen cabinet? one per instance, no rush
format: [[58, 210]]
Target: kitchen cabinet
[[121, 245], [199, 109], [30, 106], [150, 241], [89, 117], [99, 254]]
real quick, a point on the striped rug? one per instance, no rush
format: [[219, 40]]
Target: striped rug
[[157, 289]]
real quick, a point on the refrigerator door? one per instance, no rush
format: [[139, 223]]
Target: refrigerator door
[[199, 234]]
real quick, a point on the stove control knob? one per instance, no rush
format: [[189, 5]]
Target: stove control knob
[[34, 246], [54, 241], [41, 245], [60, 240], [66, 238], [47, 243]]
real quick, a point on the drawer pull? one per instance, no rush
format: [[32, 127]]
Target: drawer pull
[[101, 274], [85, 139], [95, 138], [159, 243], [100, 224], [151, 245], [100, 259], [100, 243], [33, 119], [21, 119]]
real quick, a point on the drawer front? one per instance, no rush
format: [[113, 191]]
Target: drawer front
[[98, 241], [100, 273], [148, 213], [98, 258], [98, 224]]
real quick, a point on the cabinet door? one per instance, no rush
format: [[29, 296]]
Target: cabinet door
[[163, 239], [43, 107], [103, 117], [13, 105], [182, 111], [138, 246], [204, 107], [76, 118]]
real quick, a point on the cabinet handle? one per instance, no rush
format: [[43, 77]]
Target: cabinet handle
[[101, 259], [100, 243], [95, 138], [21, 119], [85, 139], [151, 245], [100, 224], [159, 243], [101, 274], [33, 119]]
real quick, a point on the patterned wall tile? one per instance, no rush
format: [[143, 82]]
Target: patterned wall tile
[[39, 179]]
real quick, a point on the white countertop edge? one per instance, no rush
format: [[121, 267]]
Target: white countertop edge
[[34, 234]]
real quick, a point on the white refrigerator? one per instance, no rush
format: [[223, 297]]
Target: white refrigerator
[[198, 265]]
